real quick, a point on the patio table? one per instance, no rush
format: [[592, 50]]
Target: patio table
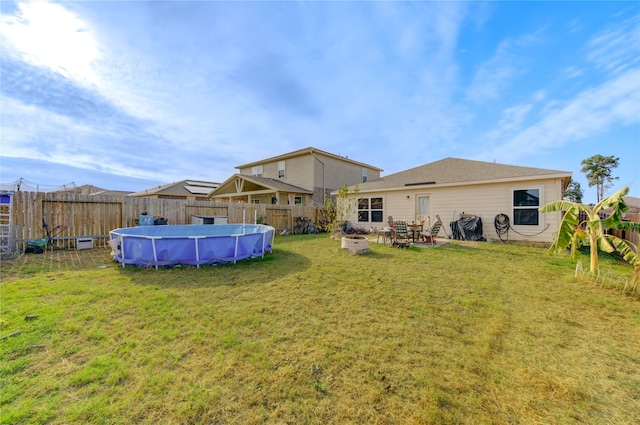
[[415, 230]]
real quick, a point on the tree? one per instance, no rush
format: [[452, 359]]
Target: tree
[[573, 232], [573, 192], [342, 208], [597, 169]]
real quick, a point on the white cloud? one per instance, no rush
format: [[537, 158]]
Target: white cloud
[[494, 76], [592, 112], [539, 95], [572, 72], [616, 48], [60, 139], [46, 34], [491, 78], [513, 117]]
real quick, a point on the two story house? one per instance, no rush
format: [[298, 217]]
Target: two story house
[[303, 177]]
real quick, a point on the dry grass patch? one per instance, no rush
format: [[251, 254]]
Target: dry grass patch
[[465, 333]]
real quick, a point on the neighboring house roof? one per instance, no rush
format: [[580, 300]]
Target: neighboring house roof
[[254, 183], [113, 193], [307, 151], [456, 171], [632, 203], [85, 189], [181, 188]]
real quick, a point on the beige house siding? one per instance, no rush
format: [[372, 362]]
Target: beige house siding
[[296, 171], [270, 169], [332, 173], [299, 171], [339, 173], [483, 200]]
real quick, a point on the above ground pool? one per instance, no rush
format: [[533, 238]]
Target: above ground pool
[[190, 245]]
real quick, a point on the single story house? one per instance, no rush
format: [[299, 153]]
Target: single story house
[[303, 177], [451, 187]]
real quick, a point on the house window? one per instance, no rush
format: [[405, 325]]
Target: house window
[[256, 171], [280, 169], [370, 210], [364, 175], [256, 201], [525, 207], [297, 200]]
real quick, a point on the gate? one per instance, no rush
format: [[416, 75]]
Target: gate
[[279, 218]]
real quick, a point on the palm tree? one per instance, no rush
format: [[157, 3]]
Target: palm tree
[[573, 232]]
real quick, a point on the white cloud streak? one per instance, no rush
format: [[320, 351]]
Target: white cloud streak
[[496, 75], [592, 112], [616, 49]]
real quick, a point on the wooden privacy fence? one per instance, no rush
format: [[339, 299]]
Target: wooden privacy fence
[[622, 234], [93, 216], [629, 236]]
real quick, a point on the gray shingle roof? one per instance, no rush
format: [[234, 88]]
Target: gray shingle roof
[[184, 187], [457, 171], [276, 184], [228, 186]]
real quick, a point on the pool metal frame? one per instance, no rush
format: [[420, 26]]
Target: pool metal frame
[[121, 245]]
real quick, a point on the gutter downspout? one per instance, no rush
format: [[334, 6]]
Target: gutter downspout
[[324, 189]]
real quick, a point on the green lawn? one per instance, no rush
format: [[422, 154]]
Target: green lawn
[[465, 333]]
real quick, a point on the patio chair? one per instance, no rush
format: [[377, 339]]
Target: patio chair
[[430, 234], [390, 221], [401, 236]]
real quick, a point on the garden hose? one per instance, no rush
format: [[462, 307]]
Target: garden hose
[[502, 225]]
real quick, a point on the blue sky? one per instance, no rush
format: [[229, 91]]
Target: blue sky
[[130, 95]]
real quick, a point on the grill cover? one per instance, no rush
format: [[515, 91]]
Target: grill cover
[[467, 229]]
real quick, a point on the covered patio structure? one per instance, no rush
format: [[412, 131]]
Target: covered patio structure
[[261, 190]]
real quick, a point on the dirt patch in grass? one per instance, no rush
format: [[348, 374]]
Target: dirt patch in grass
[[492, 333]]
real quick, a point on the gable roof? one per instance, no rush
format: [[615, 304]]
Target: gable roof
[[456, 171], [632, 202], [108, 192], [307, 151], [254, 183], [85, 189], [182, 188]]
